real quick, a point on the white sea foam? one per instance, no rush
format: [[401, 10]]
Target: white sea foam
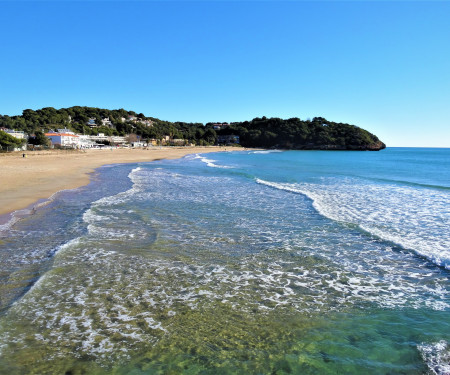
[[107, 293], [103, 293], [211, 162], [437, 357], [416, 219], [95, 225], [11, 220], [134, 170], [96, 221], [265, 152]]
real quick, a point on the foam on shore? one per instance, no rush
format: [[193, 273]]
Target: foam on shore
[[393, 213]]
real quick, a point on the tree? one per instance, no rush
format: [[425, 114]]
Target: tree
[[199, 133], [39, 139], [132, 138], [8, 141], [210, 136]]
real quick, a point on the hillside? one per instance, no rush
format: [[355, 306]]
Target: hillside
[[292, 133]]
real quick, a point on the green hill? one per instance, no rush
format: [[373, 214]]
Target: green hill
[[292, 133]]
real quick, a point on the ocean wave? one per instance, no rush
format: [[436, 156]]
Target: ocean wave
[[211, 162], [414, 184], [15, 216], [134, 170], [104, 220], [265, 152], [11, 219], [415, 219], [111, 294], [249, 252], [94, 220], [437, 357]]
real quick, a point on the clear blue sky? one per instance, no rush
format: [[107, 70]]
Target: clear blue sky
[[384, 66]]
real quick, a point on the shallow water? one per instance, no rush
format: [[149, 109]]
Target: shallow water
[[248, 262]]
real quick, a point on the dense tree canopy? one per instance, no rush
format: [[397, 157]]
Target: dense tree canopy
[[292, 133]]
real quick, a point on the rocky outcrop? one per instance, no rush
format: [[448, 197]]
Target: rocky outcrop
[[376, 146]]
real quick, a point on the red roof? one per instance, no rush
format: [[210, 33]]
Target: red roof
[[60, 134]]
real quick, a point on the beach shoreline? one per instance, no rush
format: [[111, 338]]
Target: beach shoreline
[[27, 181]]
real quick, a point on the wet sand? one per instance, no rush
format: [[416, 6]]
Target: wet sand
[[24, 181]]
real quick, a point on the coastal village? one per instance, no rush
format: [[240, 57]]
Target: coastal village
[[68, 139]]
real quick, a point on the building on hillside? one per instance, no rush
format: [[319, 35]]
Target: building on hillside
[[227, 139], [147, 123], [91, 123], [106, 122], [65, 131], [220, 125]]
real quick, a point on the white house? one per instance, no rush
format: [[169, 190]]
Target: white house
[[117, 139], [84, 141], [15, 133], [66, 131], [148, 123], [99, 138], [106, 122], [63, 139]]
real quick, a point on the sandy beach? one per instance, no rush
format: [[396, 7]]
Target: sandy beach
[[42, 173]]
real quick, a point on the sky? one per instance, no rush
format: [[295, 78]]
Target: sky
[[380, 65]]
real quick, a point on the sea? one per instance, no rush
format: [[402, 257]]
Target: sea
[[235, 262]]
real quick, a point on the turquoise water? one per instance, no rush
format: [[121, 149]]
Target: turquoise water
[[305, 262]]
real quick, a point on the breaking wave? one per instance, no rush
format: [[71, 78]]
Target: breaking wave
[[211, 162], [437, 357], [415, 219]]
